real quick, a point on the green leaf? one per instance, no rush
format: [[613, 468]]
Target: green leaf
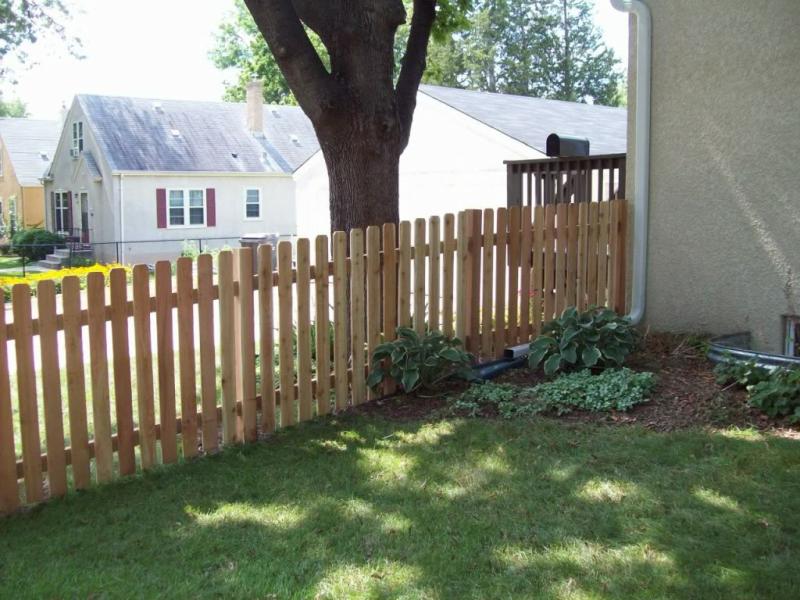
[[590, 356], [410, 380], [570, 354], [375, 377], [536, 356], [451, 354], [552, 364]]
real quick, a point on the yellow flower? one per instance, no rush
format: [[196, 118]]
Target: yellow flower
[[81, 272]]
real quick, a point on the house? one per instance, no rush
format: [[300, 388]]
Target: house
[[135, 177], [722, 239], [459, 142], [26, 149]]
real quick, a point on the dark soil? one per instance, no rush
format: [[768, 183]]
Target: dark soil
[[686, 394]]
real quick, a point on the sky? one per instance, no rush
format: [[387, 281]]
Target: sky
[[158, 49]]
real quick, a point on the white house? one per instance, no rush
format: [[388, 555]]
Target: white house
[[135, 177], [459, 140]]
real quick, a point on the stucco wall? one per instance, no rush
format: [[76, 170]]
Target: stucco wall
[[139, 201], [452, 163], [724, 250]]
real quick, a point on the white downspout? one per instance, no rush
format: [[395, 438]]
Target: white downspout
[[641, 173], [121, 218]]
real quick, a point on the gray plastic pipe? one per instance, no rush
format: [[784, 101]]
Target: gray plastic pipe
[[641, 173]]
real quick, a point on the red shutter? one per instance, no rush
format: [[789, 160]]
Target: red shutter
[[161, 208], [211, 207], [68, 224]]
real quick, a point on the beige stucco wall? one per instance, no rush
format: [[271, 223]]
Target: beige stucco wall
[[724, 244]]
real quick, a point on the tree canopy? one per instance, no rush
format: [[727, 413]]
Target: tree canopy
[[24, 22], [12, 108]]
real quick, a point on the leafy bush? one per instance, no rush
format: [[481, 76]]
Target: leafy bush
[[613, 389], [508, 400], [740, 373], [419, 362], [778, 395], [595, 337], [35, 244]]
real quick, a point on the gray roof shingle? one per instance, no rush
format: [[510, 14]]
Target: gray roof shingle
[[30, 144], [531, 120], [139, 134]]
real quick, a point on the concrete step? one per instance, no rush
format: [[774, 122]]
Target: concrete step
[[52, 265], [56, 257], [64, 252]]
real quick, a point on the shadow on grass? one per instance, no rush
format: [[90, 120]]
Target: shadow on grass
[[454, 509]]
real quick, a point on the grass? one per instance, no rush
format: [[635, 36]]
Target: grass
[[11, 266], [364, 508]]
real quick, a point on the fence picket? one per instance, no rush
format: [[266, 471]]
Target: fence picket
[[144, 365], [208, 369], [373, 293], [227, 318], [266, 343], [449, 247], [537, 268], [462, 256], [487, 283], [165, 360], [583, 236], [500, 282], [561, 257], [101, 406], [602, 256], [9, 490], [514, 224], [247, 350], [323, 347], [389, 284], [186, 359], [434, 272], [357, 315], [526, 242], [51, 389], [404, 276], [285, 350], [26, 388], [572, 254], [419, 276], [304, 375], [123, 396], [549, 261], [592, 251], [473, 274], [620, 298], [340, 318]]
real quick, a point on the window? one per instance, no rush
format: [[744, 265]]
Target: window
[[61, 211], [252, 204], [77, 136], [187, 208]]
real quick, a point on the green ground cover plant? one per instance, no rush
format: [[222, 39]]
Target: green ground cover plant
[[356, 507]]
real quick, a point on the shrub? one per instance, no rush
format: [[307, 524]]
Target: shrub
[[740, 373], [419, 362], [508, 400], [595, 337], [778, 395], [613, 389], [35, 244]]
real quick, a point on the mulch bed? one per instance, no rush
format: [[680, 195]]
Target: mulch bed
[[685, 396]]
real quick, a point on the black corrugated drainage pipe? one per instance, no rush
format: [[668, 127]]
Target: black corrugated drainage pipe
[[736, 347], [513, 358]]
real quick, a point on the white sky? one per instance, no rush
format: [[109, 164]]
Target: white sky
[[157, 49]]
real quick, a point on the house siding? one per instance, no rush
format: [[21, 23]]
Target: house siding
[[725, 189]]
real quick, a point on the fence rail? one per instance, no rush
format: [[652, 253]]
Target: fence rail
[[490, 277]]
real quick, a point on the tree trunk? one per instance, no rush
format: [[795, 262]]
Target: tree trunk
[[363, 180]]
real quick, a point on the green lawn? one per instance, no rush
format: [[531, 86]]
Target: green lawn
[[364, 508]]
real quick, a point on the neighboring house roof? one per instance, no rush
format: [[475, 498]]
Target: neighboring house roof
[[139, 134], [531, 120], [30, 144]]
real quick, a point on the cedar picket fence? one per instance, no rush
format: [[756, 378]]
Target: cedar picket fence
[[489, 277]]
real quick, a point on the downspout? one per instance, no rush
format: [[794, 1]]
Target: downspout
[[641, 173], [121, 218]]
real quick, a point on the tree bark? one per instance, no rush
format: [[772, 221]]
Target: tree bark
[[362, 120]]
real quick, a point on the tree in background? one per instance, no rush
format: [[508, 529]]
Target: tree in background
[[12, 108], [541, 48], [25, 21], [360, 107]]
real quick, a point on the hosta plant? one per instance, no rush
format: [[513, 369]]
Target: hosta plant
[[579, 340], [419, 362]]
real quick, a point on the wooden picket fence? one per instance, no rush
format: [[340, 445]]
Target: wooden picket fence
[[490, 277]]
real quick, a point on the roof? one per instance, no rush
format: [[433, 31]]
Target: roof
[[530, 120], [140, 134], [30, 144]]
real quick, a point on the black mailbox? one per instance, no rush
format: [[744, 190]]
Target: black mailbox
[[564, 145]]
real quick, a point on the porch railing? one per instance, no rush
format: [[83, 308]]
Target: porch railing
[[554, 180]]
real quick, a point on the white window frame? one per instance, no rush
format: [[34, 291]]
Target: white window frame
[[77, 135], [61, 199], [186, 207], [260, 207]]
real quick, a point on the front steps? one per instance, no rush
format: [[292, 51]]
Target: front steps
[[60, 258]]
